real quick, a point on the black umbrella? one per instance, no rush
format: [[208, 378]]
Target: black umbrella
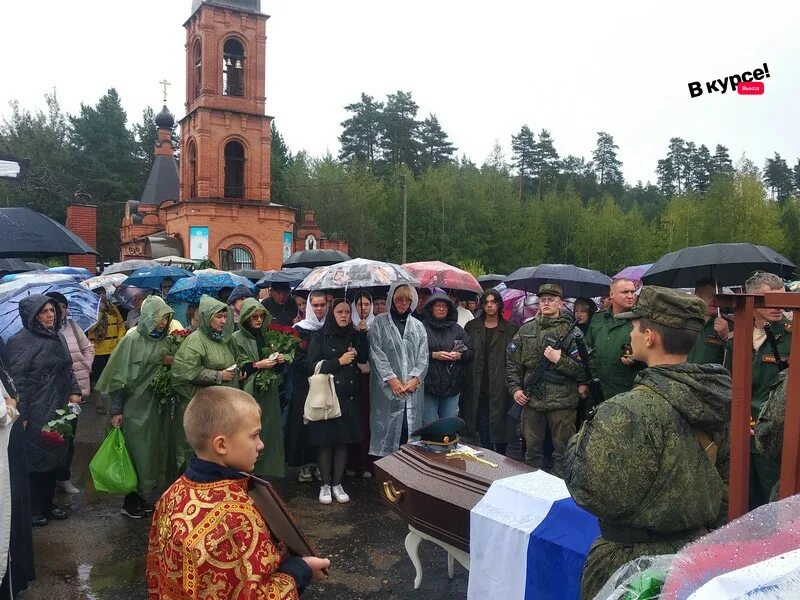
[[14, 265], [251, 274], [315, 258], [25, 232], [576, 282], [727, 264], [291, 276], [491, 280]]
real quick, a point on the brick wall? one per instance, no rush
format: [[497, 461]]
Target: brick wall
[[82, 221]]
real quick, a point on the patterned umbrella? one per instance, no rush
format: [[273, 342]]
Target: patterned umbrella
[[633, 273], [357, 273], [575, 281], [186, 263], [128, 266], [83, 304], [433, 273], [109, 283], [151, 277], [207, 281]]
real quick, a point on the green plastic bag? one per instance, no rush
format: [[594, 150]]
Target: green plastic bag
[[112, 468]]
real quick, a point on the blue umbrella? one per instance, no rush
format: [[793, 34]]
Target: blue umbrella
[[83, 304], [151, 277], [78, 272], [207, 281]]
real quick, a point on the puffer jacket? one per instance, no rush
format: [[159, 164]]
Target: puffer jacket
[[445, 378], [82, 352]]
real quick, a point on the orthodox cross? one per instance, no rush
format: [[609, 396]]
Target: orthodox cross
[[164, 83]]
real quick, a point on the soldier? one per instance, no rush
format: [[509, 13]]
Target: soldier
[[769, 427], [710, 347], [764, 472], [653, 463], [552, 401], [609, 339]]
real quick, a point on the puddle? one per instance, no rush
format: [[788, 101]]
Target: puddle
[[96, 578]]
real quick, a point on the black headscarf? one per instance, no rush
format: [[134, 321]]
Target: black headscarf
[[331, 327]]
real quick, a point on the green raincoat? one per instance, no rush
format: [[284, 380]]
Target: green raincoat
[[199, 363], [249, 350], [131, 367]]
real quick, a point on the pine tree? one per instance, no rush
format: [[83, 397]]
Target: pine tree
[[678, 160], [778, 177], [523, 151], [701, 170], [665, 171], [279, 160], [435, 146], [400, 131], [496, 160], [721, 161], [545, 161], [606, 164], [796, 177], [360, 138]]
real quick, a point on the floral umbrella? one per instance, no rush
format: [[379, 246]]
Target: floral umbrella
[[109, 283], [357, 273], [433, 273]]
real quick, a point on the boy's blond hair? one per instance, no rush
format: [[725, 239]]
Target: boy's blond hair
[[215, 410]]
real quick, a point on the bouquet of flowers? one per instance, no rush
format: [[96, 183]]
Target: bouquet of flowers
[[280, 339], [161, 385], [59, 429]]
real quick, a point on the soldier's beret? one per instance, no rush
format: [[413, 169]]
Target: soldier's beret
[[669, 307], [551, 288]]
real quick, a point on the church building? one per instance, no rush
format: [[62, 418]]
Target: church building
[[216, 202]]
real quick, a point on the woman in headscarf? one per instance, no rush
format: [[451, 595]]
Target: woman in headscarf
[[359, 460], [42, 370], [253, 354], [299, 453], [337, 347], [204, 358], [398, 363], [126, 379]]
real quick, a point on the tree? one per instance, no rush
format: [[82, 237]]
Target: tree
[[436, 148], [360, 138], [577, 174], [606, 164], [665, 171], [700, 177], [496, 160], [400, 131], [778, 177], [146, 134], [279, 160], [678, 160], [523, 151], [721, 161], [545, 161], [796, 177]]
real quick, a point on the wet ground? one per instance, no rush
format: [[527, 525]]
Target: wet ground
[[98, 554]]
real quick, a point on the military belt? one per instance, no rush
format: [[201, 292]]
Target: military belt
[[624, 534]]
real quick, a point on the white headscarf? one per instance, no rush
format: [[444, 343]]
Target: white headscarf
[[357, 317], [311, 322]]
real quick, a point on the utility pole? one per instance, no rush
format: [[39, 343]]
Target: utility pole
[[404, 188]]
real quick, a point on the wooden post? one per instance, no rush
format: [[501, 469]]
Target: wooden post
[[742, 373]]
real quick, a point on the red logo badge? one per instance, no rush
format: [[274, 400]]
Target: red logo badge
[[751, 88]]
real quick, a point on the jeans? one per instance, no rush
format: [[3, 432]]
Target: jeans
[[439, 407]]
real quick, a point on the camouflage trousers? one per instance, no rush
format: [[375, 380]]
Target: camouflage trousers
[[534, 430]]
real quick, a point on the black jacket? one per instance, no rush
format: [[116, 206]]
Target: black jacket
[[282, 314], [327, 346], [41, 366], [445, 378]]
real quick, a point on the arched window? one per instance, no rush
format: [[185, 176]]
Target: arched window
[[192, 152], [236, 258], [234, 170], [233, 68], [197, 56]]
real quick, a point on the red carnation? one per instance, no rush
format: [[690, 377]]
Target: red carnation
[[52, 438]]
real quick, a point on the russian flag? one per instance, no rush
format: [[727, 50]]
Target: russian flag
[[528, 540]]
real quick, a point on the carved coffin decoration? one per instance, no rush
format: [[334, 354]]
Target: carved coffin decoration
[[435, 494]]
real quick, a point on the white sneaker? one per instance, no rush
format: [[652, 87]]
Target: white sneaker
[[325, 494], [67, 487], [338, 493]]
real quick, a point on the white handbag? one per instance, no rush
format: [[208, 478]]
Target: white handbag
[[322, 403]]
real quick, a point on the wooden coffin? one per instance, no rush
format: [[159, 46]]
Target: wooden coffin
[[435, 494]]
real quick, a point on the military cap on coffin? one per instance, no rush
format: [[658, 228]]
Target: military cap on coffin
[[440, 432], [669, 307]]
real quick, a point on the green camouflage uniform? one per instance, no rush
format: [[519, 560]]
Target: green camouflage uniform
[[769, 427], [710, 348], [639, 466], [607, 338], [764, 471], [555, 401]]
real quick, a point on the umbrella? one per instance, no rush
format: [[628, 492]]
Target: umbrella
[[125, 295], [34, 266], [128, 266], [291, 276], [207, 281], [252, 274], [433, 273], [727, 264], [575, 281], [176, 260], [14, 265], [25, 232], [491, 280], [633, 273], [358, 273], [77, 272], [83, 304], [315, 258], [108, 282], [151, 277]]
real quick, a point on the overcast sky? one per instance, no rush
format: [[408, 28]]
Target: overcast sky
[[485, 68]]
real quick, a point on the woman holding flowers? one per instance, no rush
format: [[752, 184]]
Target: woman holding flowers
[[126, 380], [260, 359]]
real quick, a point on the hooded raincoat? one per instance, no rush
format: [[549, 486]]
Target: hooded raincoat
[[199, 362], [249, 349], [445, 378], [126, 379], [41, 366], [641, 469], [394, 355]]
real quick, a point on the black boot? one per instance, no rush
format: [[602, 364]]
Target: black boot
[[131, 507]]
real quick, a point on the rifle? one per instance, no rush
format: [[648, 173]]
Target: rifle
[[596, 394], [533, 378], [773, 343]]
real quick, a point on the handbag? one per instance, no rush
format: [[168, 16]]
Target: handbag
[[322, 403]]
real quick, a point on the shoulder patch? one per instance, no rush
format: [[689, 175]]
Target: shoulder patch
[[512, 346]]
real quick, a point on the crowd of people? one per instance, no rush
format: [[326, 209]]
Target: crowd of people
[[396, 362]]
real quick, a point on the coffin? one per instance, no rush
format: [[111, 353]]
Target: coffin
[[435, 494]]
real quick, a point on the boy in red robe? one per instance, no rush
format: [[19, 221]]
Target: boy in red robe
[[207, 539]]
